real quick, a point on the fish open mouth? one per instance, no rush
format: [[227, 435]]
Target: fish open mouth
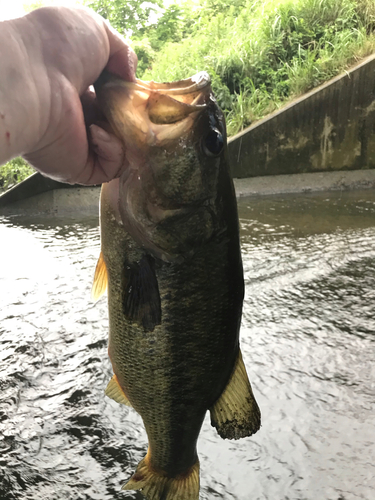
[[149, 113], [172, 102]]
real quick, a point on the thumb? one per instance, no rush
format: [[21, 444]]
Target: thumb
[[107, 156]]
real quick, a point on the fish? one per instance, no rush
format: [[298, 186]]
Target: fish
[[171, 262]]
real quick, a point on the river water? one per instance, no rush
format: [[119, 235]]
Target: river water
[[308, 337]]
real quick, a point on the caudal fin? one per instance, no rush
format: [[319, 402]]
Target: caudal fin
[[157, 486]]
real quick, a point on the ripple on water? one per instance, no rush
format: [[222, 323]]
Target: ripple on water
[[307, 338]]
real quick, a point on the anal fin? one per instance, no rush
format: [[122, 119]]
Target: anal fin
[[236, 414], [115, 392], [100, 283]]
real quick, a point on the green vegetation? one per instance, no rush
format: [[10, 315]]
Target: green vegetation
[[126, 15], [14, 171], [260, 53]]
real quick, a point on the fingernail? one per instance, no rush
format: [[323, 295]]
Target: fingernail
[[100, 134]]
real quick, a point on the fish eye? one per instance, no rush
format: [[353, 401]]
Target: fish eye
[[213, 143]]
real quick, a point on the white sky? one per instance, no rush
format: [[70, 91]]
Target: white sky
[[10, 9]]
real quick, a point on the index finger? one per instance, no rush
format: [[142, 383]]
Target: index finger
[[122, 58]]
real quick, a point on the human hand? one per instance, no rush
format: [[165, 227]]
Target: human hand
[[64, 51]]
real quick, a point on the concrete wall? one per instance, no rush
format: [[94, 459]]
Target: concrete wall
[[331, 128], [34, 185], [305, 183], [38, 194], [77, 199]]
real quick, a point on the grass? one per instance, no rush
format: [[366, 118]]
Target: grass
[[270, 52], [13, 172]]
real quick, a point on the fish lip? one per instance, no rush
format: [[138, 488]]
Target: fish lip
[[196, 83]]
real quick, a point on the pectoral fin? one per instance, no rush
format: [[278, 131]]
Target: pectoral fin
[[115, 392], [141, 298], [100, 283], [236, 414]]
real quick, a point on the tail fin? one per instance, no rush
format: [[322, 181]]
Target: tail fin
[[156, 486]]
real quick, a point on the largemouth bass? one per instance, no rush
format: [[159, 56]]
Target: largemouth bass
[[170, 257]]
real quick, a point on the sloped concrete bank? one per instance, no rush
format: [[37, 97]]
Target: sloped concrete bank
[[332, 128], [305, 183], [37, 194]]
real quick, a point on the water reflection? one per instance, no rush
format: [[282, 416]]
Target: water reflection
[[308, 343]]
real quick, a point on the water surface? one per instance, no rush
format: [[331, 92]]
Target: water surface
[[307, 339]]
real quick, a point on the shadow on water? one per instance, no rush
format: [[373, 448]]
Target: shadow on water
[[307, 338]]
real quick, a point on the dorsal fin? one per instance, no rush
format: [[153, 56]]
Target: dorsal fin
[[99, 285]]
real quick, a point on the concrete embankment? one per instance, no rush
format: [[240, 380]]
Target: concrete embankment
[[332, 128], [305, 183], [324, 140]]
